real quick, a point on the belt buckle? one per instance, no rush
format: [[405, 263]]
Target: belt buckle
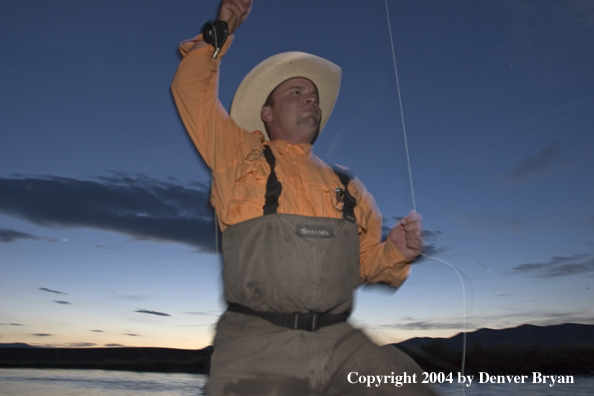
[[307, 321]]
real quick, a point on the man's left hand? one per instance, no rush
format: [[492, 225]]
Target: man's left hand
[[407, 235]]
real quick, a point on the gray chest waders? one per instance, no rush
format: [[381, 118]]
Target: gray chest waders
[[297, 272]]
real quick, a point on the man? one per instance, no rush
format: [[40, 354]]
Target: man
[[298, 237]]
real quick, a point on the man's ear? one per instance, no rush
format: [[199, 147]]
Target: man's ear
[[265, 114]]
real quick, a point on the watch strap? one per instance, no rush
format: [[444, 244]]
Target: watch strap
[[216, 33]]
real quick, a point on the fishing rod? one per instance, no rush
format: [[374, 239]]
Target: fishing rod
[[413, 192]]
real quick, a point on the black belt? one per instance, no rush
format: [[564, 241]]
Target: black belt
[[309, 321]]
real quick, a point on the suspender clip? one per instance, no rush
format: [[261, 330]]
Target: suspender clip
[[339, 198]]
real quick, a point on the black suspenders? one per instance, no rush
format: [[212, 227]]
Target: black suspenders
[[274, 188]]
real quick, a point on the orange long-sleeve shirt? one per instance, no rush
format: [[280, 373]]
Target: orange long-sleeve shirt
[[240, 170]]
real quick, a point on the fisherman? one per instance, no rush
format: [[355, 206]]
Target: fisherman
[[298, 236]]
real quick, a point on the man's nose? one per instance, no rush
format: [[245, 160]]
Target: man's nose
[[311, 98]]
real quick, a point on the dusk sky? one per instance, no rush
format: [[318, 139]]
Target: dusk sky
[[106, 234]]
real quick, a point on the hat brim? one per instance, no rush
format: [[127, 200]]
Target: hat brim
[[270, 73]]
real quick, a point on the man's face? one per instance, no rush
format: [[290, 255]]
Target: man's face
[[295, 115]]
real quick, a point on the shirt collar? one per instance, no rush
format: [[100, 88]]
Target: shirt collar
[[284, 147]]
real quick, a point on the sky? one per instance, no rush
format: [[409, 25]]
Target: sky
[[106, 234]]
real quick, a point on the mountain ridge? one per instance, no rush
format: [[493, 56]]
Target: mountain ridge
[[566, 334], [559, 349]]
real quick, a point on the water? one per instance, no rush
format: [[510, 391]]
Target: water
[[43, 382]]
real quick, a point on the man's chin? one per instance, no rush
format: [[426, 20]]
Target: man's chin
[[309, 122]]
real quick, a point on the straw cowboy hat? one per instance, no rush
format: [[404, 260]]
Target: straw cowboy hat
[[270, 73]]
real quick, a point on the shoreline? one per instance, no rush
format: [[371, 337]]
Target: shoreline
[[160, 360]]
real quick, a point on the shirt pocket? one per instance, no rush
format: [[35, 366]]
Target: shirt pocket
[[247, 196], [326, 204], [336, 199]]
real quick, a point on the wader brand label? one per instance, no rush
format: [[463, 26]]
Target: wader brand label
[[314, 231]]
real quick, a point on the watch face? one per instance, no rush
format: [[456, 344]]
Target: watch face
[[215, 33], [208, 33]]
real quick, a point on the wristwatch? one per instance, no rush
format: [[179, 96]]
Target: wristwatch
[[216, 33]]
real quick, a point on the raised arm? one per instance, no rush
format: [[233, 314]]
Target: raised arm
[[195, 91]]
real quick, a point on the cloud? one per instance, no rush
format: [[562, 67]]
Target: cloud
[[42, 335], [132, 335], [388, 224], [7, 236], [113, 345], [108, 248], [558, 266], [11, 324], [146, 311], [431, 235], [546, 162], [62, 302], [80, 345], [424, 325], [141, 207], [201, 313], [45, 289]]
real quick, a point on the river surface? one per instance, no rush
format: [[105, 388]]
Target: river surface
[[46, 382]]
